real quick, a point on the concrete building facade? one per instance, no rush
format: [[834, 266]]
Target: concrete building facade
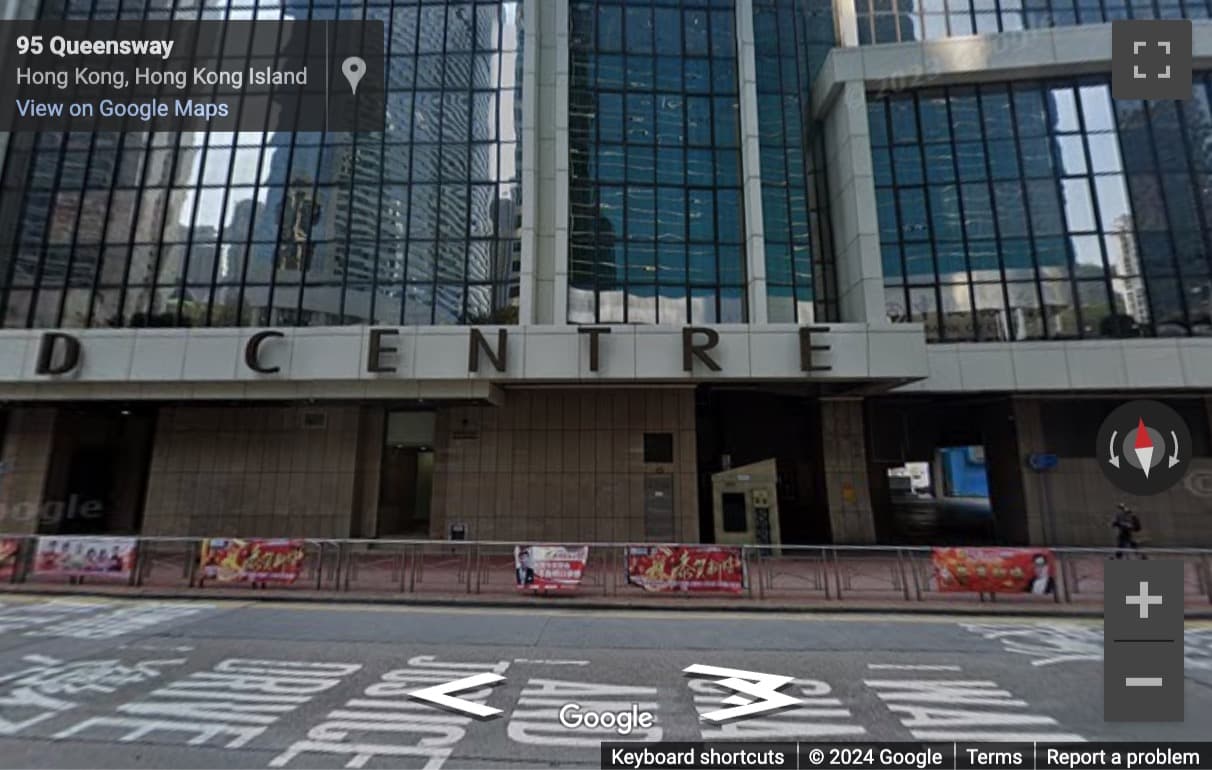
[[605, 251]]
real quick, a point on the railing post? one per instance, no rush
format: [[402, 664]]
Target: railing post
[[142, 562], [900, 566], [1207, 575], [825, 572], [405, 569], [479, 567], [473, 562], [26, 565], [319, 564], [837, 572], [133, 580], [762, 572], [615, 566], [193, 559], [750, 567], [1062, 582]]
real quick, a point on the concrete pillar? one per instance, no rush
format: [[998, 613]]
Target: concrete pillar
[[543, 296], [844, 444], [372, 422], [1030, 430], [529, 172], [751, 164], [25, 462], [852, 205], [846, 24]]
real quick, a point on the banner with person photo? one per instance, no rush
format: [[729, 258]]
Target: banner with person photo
[[549, 567], [252, 560], [69, 556], [995, 570], [10, 549], [714, 568]]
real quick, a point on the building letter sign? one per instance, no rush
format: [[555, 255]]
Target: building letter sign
[[594, 332], [46, 354], [253, 349], [691, 351], [478, 343]]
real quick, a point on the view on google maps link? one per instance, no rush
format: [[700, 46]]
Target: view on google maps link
[[674, 384]]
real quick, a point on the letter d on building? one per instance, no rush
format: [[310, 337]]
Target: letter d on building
[[46, 354]]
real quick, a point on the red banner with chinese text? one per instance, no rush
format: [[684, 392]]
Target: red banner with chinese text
[[995, 570], [713, 568], [549, 567], [252, 560]]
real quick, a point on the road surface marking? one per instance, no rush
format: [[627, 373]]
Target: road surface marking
[[21, 617], [1054, 643], [964, 710], [120, 621], [443, 695], [352, 732], [238, 698], [817, 716], [49, 686], [552, 662], [910, 667]]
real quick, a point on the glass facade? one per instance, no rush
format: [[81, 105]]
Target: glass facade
[[1045, 210], [892, 21], [654, 152], [417, 225], [798, 274]]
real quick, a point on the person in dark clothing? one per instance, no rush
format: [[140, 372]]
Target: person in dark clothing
[[1126, 525], [524, 568]]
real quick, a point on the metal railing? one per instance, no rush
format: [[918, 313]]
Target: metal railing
[[778, 574]]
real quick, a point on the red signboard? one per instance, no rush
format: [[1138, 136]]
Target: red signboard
[[252, 560], [995, 570], [549, 567], [714, 568]]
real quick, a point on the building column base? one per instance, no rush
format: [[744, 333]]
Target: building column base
[[847, 478], [25, 462]]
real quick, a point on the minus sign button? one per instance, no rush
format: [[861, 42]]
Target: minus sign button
[[1142, 681]]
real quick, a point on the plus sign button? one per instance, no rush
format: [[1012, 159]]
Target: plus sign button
[[1143, 641], [1151, 59]]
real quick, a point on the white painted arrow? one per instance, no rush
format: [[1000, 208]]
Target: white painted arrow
[[440, 694], [755, 692]]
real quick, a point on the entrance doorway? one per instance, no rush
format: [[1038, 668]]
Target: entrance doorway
[[406, 476], [98, 472], [781, 431]]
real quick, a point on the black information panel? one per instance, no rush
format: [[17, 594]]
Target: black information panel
[[907, 756], [192, 76]]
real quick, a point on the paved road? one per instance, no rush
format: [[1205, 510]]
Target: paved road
[[100, 683]]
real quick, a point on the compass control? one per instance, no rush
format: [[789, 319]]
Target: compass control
[[1144, 447]]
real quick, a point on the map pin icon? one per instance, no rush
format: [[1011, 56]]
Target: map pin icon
[[354, 69]]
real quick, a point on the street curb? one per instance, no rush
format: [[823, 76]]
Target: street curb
[[688, 605]]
